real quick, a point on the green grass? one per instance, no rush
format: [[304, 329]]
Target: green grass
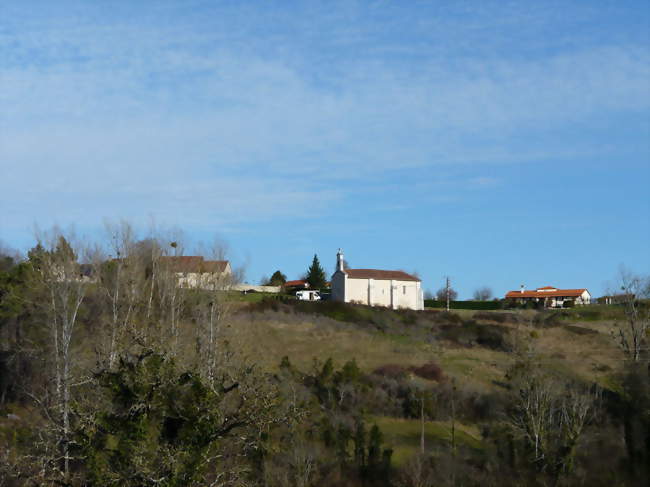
[[401, 339], [240, 297], [308, 331], [303, 338], [403, 436]]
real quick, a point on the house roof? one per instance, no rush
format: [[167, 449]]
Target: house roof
[[215, 266], [194, 264], [379, 275], [550, 292], [298, 282]]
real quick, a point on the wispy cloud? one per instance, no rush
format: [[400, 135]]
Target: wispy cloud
[[227, 117], [483, 181]]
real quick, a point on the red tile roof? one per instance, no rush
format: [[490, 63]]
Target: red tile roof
[[567, 293], [193, 264], [296, 283], [214, 265], [379, 274]]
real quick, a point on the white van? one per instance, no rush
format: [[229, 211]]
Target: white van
[[307, 295]]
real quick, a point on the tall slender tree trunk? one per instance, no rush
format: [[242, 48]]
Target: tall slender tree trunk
[[211, 351], [55, 338], [422, 425], [115, 305]]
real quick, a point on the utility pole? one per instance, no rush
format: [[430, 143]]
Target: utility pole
[[447, 292]]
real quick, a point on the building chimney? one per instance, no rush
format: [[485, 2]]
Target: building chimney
[[339, 260], [522, 289]]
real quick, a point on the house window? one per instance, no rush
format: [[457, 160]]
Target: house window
[[403, 289]]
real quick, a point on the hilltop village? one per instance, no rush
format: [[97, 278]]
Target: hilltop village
[[393, 289], [139, 363]]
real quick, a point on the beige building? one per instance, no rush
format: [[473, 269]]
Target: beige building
[[375, 287], [194, 272]]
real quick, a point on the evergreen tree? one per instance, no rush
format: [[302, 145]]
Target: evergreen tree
[[277, 279], [153, 419], [374, 447], [316, 275], [342, 439], [360, 444]]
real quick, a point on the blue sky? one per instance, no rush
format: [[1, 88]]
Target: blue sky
[[499, 142]]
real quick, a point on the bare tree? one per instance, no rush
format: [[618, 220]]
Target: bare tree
[[418, 472], [8, 257], [170, 301], [303, 463], [632, 333], [446, 293], [166, 298], [212, 311], [483, 294], [58, 274], [549, 416], [212, 316], [155, 254], [122, 280], [532, 414]]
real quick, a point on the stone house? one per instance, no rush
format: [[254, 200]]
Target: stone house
[[193, 271]]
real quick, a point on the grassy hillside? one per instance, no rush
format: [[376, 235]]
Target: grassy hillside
[[353, 370], [476, 349], [403, 435]]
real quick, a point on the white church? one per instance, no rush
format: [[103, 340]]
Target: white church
[[374, 287]]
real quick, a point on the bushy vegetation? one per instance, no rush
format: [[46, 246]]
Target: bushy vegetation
[[471, 333], [477, 305]]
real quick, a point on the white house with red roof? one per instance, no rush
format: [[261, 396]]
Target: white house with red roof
[[551, 297], [296, 284], [375, 287]]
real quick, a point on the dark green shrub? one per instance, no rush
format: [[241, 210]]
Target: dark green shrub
[[393, 371], [495, 316], [445, 317], [471, 333], [478, 305], [156, 420]]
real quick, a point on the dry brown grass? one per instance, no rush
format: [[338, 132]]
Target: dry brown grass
[[590, 356], [302, 338], [266, 337]]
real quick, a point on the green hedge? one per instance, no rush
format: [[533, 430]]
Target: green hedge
[[478, 305]]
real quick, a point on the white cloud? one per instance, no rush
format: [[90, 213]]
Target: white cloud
[[114, 111]]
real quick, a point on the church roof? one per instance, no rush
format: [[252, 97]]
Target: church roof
[[379, 275]]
